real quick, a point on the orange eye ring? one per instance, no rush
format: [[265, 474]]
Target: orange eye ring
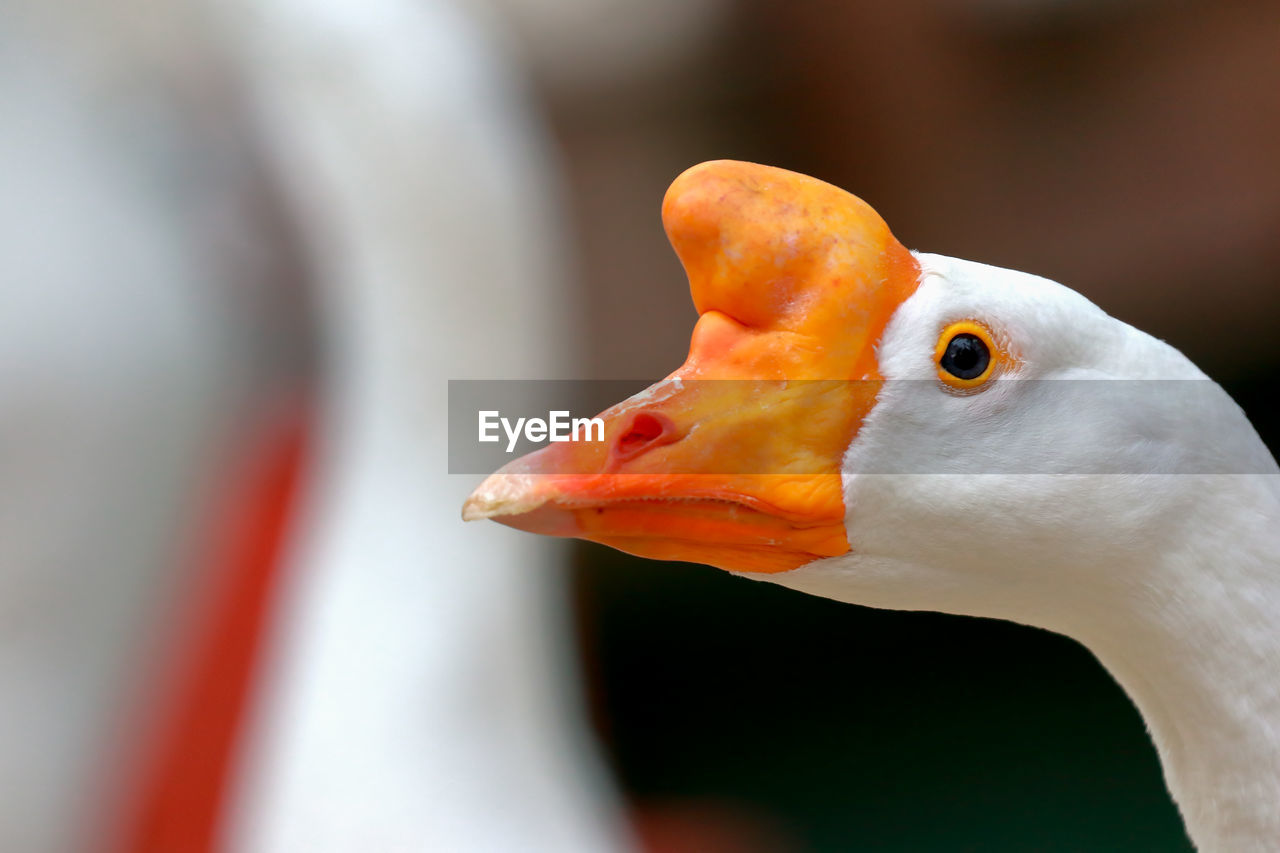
[[967, 356]]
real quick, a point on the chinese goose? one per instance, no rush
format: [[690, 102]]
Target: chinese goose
[[913, 431]]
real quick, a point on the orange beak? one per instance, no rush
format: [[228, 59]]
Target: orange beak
[[734, 459]]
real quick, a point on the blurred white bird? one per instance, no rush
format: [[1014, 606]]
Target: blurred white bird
[[403, 683], [419, 692]]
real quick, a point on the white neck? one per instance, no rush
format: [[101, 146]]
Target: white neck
[[1199, 653], [418, 691], [1175, 588]]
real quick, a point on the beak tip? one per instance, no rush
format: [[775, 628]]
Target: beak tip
[[473, 510], [500, 495]]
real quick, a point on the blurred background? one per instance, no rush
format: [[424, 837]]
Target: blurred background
[[244, 246]]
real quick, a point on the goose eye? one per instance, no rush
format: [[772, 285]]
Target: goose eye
[[966, 356]]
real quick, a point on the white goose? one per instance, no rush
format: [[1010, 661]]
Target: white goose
[[415, 692], [415, 696], [412, 688], [1141, 518]]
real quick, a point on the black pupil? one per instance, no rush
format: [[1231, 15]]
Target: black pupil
[[966, 357]]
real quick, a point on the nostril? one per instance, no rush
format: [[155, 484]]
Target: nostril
[[647, 429]]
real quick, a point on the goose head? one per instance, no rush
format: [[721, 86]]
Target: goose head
[[885, 427], [911, 431]]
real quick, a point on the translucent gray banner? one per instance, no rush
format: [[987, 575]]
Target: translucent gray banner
[[921, 427]]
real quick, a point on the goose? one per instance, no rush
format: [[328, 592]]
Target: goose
[[217, 635], [415, 685], [912, 431]]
